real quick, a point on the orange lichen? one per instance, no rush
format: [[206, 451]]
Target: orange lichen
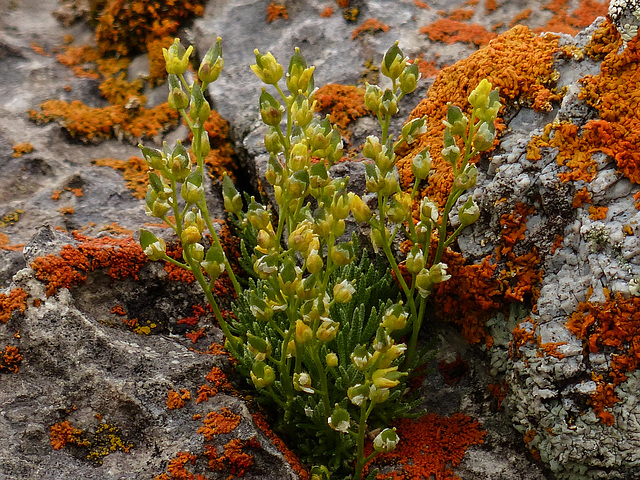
[[614, 94], [499, 392], [288, 455], [235, 459], [327, 12], [176, 273], [22, 148], [275, 11], [63, 433], [461, 14], [177, 400], [490, 5], [612, 326], [133, 170], [177, 467], [430, 446], [121, 257], [219, 423], [370, 25], [157, 65], [598, 213], [16, 300], [523, 15], [581, 197], [342, 3], [11, 358], [451, 31], [343, 104], [564, 21]]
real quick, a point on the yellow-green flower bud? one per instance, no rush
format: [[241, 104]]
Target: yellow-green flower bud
[[386, 441], [373, 97], [469, 212], [273, 144], [340, 420], [358, 394], [205, 146], [180, 162], [154, 248], [413, 129], [302, 382], [231, 197], [377, 241], [438, 273], [342, 254], [451, 154], [190, 235], [270, 109], [154, 157], [318, 176], [466, 179], [382, 341], [259, 347], [304, 333], [192, 188], [372, 177], [154, 206], [301, 113], [212, 63], [400, 208], [178, 99], [327, 330], [299, 76], [388, 103], [360, 357], [299, 157], [428, 211], [361, 211], [378, 395], [393, 62], [386, 159], [199, 108], [262, 375], [484, 137], [415, 260], [266, 239], [456, 121], [314, 262], [479, 97], [196, 250], [424, 284], [331, 360], [257, 215], [392, 353], [391, 184], [387, 377], [298, 184], [372, 147], [343, 291], [394, 318], [421, 165], [176, 57], [266, 68], [340, 206], [409, 78], [301, 238]]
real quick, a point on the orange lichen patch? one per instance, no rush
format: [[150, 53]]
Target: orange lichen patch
[[521, 336], [342, 3], [451, 31], [581, 197], [66, 210], [461, 14], [133, 170], [604, 41], [523, 15], [22, 148], [499, 392], [177, 467], [177, 400], [571, 23], [80, 60], [176, 273], [550, 349], [39, 49], [370, 25], [430, 446], [612, 326], [598, 213], [235, 459], [195, 335], [518, 62], [614, 94], [427, 68], [490, 5], [55, 196], [603, 397], [288, 455], [343, 104], [63, 433], [118, 91], [16, 300], [94, 123], [219, 423], [121, 257], [10, 360], [275, 11], [125, 27], [327, 12], [557, 243]]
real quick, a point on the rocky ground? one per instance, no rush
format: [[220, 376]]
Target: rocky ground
[[111, 369]]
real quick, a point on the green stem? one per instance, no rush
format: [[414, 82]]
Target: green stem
[[362, 428]]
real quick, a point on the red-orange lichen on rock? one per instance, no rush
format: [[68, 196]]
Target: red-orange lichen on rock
[[499, 392], [614, 94], [451, 31], [22, 148], [288, 455], [430, 446], [121, 257], [490, 5], [518, 62], [461, 14], [370, 25], [275, 11], [613, 327], [343, 104], [598, 213], [219, 423], [16, 300], [177, 400], [327, 12], [11, 358], [581, 197], [235, 458], [177, 467], [63, 433]]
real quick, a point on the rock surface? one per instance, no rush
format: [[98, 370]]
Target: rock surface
[[83, 365]]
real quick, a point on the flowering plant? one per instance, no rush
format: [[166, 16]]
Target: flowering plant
[[320, 329]]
